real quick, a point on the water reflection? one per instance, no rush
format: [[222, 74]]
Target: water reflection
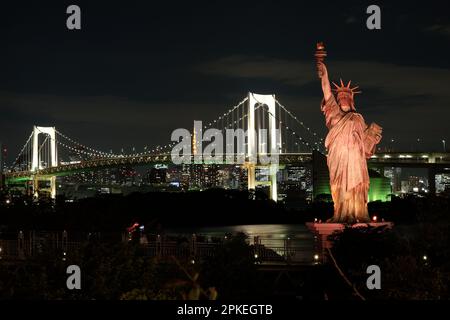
[[278, 237]]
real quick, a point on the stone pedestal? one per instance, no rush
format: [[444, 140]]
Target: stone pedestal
[[323, 230]]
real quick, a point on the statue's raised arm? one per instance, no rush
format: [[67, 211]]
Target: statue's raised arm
[[322, 72]]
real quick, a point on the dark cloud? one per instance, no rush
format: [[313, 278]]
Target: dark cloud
[[439, 29]]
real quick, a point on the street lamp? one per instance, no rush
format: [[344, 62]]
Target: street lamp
[[443, 143]]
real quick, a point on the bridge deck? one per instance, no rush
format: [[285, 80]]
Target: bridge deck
[[404, 159]]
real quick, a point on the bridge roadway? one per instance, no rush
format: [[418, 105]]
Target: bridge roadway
[[94, 164], [435, 161]]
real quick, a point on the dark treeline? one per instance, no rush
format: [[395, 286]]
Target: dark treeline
[[206, 208], [117, 270], [414, 261], [154, 209]]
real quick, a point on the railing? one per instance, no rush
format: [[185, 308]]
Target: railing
[[263, 250]]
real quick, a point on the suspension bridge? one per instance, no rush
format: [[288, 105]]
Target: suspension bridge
[[271, 130]]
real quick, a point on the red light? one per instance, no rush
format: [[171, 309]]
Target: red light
[[134, 226]]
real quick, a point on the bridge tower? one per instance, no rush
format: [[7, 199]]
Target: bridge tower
[[255, 147], [51, 132], [36, 163]]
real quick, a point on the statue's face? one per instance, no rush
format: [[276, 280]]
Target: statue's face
[[345, 102]]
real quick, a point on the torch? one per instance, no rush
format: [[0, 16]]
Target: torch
[[320, 52]]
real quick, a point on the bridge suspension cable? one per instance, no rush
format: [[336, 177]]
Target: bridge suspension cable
[[226, 114], [314, 134], [293, 134], [284, 118], [26, 148], [84, 146]]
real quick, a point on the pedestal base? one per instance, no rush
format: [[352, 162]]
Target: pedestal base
[[324, 230]]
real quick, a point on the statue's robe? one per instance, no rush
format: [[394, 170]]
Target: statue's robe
[[349, 143]]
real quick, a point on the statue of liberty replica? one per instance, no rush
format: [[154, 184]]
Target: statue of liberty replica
[[349, 143]]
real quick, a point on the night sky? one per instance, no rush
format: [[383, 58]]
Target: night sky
[[137, 70]]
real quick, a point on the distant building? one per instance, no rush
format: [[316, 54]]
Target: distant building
[[414, 184], [238, 178], [203, 176], [224, 177], [107, 176], [396, 180], [405, 186], [295, 183], [156, 175], [380, 188], [443, 183], [394, 175]]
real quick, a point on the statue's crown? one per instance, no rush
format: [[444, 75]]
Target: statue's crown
[[345, 88]]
